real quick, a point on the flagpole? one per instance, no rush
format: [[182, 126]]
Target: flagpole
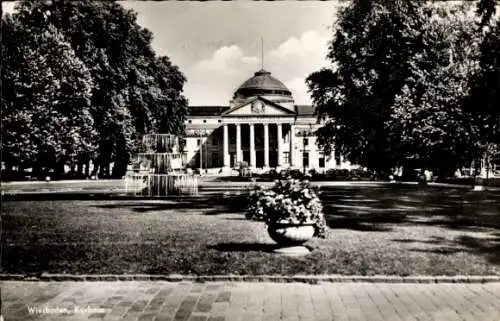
[[262, 53]]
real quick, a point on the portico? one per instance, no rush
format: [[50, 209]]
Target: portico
[[259, 144]]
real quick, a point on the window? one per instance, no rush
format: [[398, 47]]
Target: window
[[286, 157], [305, 159], [306, 142], [215, 141], [204, 121], [198, 142], [321, 161], [220, 120], [189, 121]]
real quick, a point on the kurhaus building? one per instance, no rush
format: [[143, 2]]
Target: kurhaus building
[[262, 126]]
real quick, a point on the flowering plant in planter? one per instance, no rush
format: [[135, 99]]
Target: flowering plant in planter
[[289, 201]]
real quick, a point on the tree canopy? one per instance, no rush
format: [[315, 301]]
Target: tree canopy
[[132, 89], [46, 98], [402, 82]]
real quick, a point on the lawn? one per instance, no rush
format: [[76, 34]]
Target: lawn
[[392, 230]]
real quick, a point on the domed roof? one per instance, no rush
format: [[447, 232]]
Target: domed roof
[[263, 83]]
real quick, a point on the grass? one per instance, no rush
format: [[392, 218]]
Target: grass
[[372, 230]]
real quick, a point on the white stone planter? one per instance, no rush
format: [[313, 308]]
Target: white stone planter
[[291, 234]]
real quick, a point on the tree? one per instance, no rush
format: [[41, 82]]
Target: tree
[[399, 91], [428, 114], [46, 92], [483, 105], [127, 94], [169, 82], [372, 44]]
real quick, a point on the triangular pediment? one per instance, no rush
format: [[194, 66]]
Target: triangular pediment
[[258, 107]]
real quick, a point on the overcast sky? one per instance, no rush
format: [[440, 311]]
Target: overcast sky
[[217, 44]]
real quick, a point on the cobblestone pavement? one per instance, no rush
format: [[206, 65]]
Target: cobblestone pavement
[[242, 301]]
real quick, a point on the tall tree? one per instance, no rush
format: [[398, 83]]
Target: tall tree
[[428, 114], [46, 90], [403, 95], [370, 51], [483, 106], [126, 97]]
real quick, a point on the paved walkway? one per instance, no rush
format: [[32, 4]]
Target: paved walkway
[[221, 301]]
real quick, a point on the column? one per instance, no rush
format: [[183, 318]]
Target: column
[[292, 145], [226, 146], [266, 145], [252, 146], [238, 143], [279, 135]]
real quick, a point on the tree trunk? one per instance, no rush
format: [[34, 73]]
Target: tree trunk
[[104, 173], [120, 169], [95, 170], [102, 167], [80, 167], [59, 169], [87, 168], [36, 170]]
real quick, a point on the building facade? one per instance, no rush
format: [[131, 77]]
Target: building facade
[[261, 126]]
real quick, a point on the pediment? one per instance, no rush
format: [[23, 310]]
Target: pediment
[[258, 107]]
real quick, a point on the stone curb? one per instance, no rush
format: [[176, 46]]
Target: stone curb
[[312, 279]]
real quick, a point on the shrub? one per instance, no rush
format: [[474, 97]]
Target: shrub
[[338, 174], [273, 174]]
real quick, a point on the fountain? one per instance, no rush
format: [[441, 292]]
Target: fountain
[[158, 170]]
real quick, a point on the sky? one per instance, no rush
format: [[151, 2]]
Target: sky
[[217, 45]]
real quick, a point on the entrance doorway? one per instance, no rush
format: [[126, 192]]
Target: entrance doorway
[[215, 160], [246, 156], [273, 158], [259, 155]]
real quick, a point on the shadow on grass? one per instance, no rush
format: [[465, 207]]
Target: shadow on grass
[[433, 240], [207, 205], [455, 209], [381, 209], [486, 246], [440, 250], [243, 247], [249, 247], [489, 247], [91, 241], [362, 224], [373, 209]]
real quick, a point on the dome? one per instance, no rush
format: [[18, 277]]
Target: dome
[[262, 83]]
